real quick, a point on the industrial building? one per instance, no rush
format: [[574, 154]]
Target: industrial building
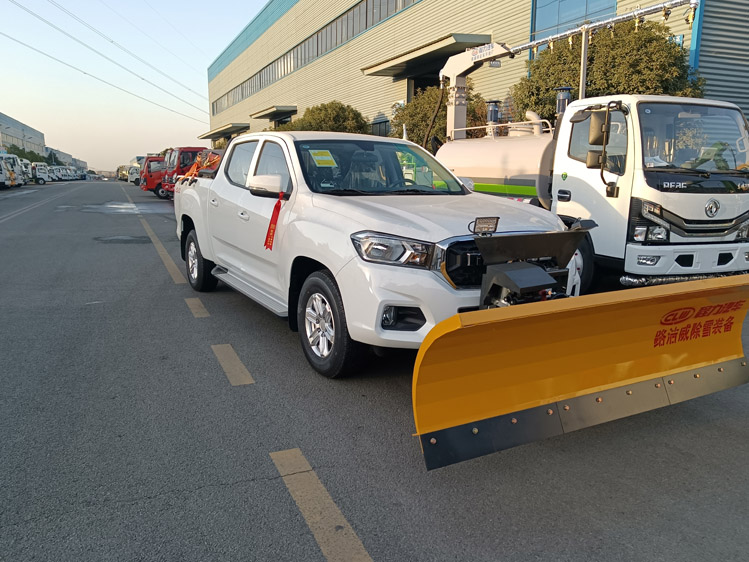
[[373, 54], [13, 132], [16, 133]]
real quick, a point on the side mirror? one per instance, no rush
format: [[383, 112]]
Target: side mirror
[[268, 185], [593, 159], [597, 123], [468, 182]]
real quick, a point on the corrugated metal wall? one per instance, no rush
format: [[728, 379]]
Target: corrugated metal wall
[[724, 51]]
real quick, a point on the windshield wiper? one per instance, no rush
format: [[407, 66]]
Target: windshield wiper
[[733, 172], [410, 191], [671, 169], [344, 191]]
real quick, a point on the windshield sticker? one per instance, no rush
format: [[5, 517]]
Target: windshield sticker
[[323, 158]]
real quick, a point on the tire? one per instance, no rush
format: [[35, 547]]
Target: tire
[[161, 192], [40, 181], [586, 276], [323, 331], [137, 182], [198, 268]]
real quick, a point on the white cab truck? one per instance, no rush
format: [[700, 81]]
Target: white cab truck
[[665, 178], [40, 172], [13, 170], [359, 252]]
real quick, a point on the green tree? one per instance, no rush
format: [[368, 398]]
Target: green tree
[[417, 115], [30, 155], [331, 116], [631, 60]]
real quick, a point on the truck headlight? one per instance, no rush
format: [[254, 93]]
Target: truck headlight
[[743, 232], [657, 233], [392, 250]]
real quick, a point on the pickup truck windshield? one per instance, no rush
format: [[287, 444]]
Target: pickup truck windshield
[[693, 139], [353, 167]]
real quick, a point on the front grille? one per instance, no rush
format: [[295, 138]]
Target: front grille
[[464, 264]]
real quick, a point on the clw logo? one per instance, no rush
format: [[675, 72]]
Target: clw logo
[[677, 316]]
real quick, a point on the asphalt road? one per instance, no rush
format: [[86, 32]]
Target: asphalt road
[[122, 437]]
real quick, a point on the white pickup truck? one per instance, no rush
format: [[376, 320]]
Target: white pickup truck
[[373, 240]]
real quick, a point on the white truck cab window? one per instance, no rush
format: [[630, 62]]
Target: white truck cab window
[[272, 161], [239, 163]]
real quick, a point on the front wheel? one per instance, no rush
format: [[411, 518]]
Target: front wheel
[[198, 268], [161, 192], [323, 330], [39, 181]]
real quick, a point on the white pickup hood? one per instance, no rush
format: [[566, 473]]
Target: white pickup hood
[[433, 218]]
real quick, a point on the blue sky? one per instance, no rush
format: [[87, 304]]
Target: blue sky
[[96, 122]]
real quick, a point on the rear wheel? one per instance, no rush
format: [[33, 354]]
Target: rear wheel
[[198, 268], [323, 330]]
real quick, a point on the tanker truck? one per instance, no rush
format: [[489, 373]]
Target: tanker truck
[[665, 178]]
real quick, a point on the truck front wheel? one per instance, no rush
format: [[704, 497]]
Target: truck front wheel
[[323, 330], [198, 268], [161, 192]]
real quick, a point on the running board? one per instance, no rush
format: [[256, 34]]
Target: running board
[[269, 302]]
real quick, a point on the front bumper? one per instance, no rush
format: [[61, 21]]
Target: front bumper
[[705, 259], [367, 288]]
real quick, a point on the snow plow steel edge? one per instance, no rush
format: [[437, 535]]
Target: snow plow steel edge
[[493, 379]]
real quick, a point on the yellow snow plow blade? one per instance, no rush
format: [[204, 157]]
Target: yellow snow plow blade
[[493, 379]]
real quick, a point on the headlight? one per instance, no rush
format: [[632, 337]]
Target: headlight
[[392, 250], [657, 233], [743, 232]]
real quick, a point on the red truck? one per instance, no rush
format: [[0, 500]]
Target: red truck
[[152, 175], [178, 162]]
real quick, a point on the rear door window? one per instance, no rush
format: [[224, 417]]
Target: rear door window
[[239, 163]]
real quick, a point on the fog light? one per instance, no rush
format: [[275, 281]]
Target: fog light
[[746, 256], [648, 260], [640, 232], [657, 233], [389, 316], [402, 318]]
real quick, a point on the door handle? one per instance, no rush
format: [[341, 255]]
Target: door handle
[[564, 195], [244, 216], [214, 202]]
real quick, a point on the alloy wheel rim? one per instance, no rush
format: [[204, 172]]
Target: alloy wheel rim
[[319, 325], [192, 260]]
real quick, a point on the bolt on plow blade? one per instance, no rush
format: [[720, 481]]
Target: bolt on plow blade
[[489, 380]]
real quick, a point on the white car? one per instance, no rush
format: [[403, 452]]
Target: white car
[[328, 230]]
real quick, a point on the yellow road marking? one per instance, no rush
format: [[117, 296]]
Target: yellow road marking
[[126, 194], [333, 534], [197, 308], [171, 267], [235, 370]]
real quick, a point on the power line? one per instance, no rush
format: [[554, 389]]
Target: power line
[[49, 23], [129, 52], [100, 79], [174, 28], [150, 38]]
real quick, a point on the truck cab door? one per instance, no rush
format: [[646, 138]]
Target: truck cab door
[[273, 160], [579, 191], [228, 223]]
